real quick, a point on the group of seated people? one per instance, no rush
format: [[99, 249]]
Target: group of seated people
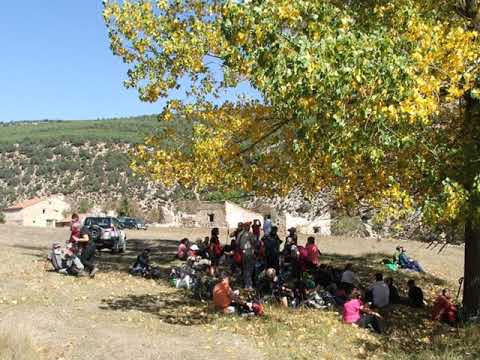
[[292, 276]]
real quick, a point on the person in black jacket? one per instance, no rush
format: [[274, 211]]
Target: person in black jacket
[[142, 264], [87, 256], [415, 294], [272, 249]]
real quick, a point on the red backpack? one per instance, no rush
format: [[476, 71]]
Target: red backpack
[[217, 249], [237, 256], [303, 253]]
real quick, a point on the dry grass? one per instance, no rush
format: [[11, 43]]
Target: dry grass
[[16, 343]]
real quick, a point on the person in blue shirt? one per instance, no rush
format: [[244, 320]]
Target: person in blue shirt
[[267, 225], [407, 263]]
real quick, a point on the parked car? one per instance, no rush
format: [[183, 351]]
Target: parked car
[[128, 223], [141, 225], [131, 223], [107, 232]]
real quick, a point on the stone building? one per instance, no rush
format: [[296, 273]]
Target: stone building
[[223, 214], [42, 212]]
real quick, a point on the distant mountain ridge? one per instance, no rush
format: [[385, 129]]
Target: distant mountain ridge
[[87, 160]]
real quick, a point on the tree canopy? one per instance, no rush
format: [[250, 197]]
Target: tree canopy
[[369, 98]]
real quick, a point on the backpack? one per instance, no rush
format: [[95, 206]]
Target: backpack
[[217, 250], [237, 257], [55, 257], [302, 253]]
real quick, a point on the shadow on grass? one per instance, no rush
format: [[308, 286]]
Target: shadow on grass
[[162, 255], [174, 308]]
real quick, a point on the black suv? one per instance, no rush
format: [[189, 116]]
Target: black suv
[[107, 232]]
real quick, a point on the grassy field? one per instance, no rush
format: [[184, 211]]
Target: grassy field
[[117, 316], [125, 130]]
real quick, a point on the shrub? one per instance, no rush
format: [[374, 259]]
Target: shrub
[[348, 226], [2, 218]]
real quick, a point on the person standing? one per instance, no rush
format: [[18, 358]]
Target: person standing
[[247, 245], [267, 225], [272, 249], [313, 254], [257, 225]]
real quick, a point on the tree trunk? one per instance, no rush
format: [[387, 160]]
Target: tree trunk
[[471, 292]]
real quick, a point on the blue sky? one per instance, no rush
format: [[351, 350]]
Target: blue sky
[[55, 63]]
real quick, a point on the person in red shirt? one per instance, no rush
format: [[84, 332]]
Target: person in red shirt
[[444, 309], [257, 225], [75, 233], [313, 254]]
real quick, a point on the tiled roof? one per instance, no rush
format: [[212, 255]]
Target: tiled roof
[[25, 204]]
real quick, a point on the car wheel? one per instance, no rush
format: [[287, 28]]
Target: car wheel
[[124, 247], [115, 248]]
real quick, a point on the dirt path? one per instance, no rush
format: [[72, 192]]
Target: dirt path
[[116, 316]]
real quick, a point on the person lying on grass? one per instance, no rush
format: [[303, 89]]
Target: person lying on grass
[[358, 313]]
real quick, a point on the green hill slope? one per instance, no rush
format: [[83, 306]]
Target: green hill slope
[[85, 160]]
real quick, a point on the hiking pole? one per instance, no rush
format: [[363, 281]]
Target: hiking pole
[[460, 283]]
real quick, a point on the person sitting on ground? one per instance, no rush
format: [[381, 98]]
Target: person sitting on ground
[[313, 254], [141, 266], [415, 294], [266, 282], [87, 255], [393, 291], [396, 255], [380, 292], [224, 297], [182, 251], [323, 277], [356, 312], [444, 310], [408, 263], [349, 278], [272, 243]]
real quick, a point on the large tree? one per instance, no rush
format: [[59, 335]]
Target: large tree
[[376, 99]]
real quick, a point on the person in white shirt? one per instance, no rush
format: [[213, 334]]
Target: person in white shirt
[[267, 225], [349, 277], [380, 292]]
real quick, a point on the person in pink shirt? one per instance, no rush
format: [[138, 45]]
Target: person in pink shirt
[[182, 251], [356, 312], [313, 254]]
